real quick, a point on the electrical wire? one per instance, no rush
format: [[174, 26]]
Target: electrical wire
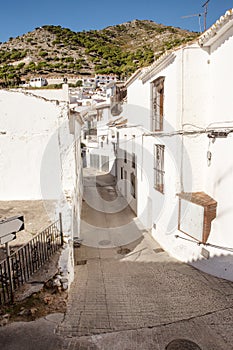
[[181, 132], [193, 125], [199, 243], [188, 133]]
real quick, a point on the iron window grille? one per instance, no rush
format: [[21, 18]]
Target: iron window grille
[[159, 168], [133, 185]]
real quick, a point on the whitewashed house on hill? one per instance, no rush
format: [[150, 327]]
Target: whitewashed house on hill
[[38, 82], [175, 150], [99, 140]]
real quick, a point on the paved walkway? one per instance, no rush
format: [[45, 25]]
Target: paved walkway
[[128, 294], [135, 296]]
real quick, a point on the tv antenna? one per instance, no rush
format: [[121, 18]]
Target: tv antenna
[[196, 15], [205, 5]]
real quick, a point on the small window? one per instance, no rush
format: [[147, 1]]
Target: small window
[[159, 168], [133, 160], [125, 151], [133, 186], [122, 173], [133, 152], [125, 156]]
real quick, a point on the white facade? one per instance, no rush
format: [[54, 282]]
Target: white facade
[[53, 94], [38, 82], [60, 80], [103, 79], [197, 107], [40, 153], [100, 151]]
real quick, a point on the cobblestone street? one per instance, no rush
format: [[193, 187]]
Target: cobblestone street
[[128, 293], [137, 297]]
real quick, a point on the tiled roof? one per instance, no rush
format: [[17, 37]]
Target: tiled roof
[[213, 30], [167, 57], [133, 77]]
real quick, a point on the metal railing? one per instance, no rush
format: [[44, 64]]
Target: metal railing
[[18, 267]]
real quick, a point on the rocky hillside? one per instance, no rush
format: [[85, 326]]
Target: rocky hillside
[[120, 49]]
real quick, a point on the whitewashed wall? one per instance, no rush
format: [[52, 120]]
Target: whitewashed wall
[[197, 93], [103, 149], [53, 94], [78, 190], [219, 174], [126, 138], [37, 155], [29, 123]]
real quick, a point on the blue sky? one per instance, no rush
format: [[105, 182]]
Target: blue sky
[[19, 17]]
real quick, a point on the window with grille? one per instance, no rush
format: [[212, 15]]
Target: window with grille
[[157, 103], [133, 160], [159, 168], [133, 188]]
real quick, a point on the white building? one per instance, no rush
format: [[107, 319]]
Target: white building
[[102, 80], [40, 156], [89, 82], [38, 82], [100, 141], [175, 149]]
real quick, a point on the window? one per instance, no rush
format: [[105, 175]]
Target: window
[[133, 188], [122, 174], [133, 152], [125, 157], [157, 103], [99, 115], [125, 151], [159, 168], [133, 160]]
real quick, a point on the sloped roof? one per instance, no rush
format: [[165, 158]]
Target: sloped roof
[[206, 39], [167, 58], [133, 77], [220, 26]]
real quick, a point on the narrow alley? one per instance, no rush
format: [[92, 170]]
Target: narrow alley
[[130, 294]]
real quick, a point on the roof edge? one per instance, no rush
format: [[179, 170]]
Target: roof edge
[[210, 33]]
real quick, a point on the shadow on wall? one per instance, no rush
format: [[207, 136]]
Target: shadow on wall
[[222, 264], [114, 213]]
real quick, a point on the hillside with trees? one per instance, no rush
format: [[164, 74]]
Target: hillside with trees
[[56, 51]]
